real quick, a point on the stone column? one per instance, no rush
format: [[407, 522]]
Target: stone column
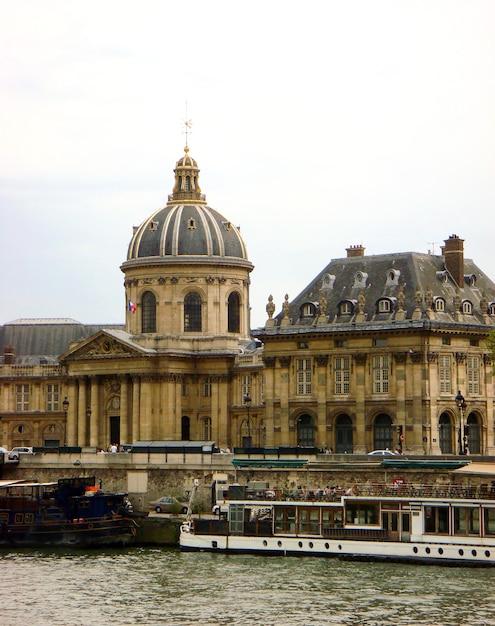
[[70, 427], [321, 394], [269, 396], [284, 393], [360, 446], [136, 399], [124, 417], [82, 407], [94, 426]]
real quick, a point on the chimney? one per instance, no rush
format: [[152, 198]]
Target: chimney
[[8, 354], [355, 251], [453, 252]]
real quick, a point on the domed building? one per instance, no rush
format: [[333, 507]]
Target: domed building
[[173, 374]]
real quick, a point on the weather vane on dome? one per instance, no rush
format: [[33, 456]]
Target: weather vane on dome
[[187, 126]]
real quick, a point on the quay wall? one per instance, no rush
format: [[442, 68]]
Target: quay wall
[[147, 477]]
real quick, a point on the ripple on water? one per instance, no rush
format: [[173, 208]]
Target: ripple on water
[[164, 586]]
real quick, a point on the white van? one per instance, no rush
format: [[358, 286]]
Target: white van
[[16, 452]]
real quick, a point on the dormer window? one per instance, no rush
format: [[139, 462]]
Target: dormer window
[[327, 281], [491, 308], [384, 305], [360, 279], [392, 277], [346, 308], [467, 307], [191, 223], [153, 226], [308, 310], [443, 277], [439, 304], [470, 280]]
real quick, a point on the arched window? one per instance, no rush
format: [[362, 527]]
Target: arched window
[[473, 435], [382, 432], [439, 304], [185, 428], [234, 322], [445, 428], [148, 313], [308, 309], [467, 307], [206, 426], [384, 306], [192, 313], [305, 431], [346, 308], [343, 434]]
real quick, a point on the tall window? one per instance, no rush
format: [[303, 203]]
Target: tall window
[[342, 374], [473, 374], [207, 388], [148, 313], [303, 377], [22, 398], [234, 322], [192, 313], [245, 386], [444, 373], [381, 374], [445, 433], [207, 429], [382, 432], [305, 431], [52, 397]]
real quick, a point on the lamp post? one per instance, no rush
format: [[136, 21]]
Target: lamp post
[[247, 441], [65, 406], [461, 405]]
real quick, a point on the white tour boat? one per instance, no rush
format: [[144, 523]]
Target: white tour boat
[[451, 525]]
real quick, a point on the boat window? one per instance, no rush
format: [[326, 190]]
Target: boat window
[[466, 521], [285, 519], [331, 518], [236, 519], [437, 519], [309, 521], [489, 519], [362, 513]]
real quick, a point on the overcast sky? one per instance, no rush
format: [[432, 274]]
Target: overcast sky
[[316, 125]]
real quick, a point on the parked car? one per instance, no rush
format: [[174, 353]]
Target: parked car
[[382, 453], [16, 452], [3, 450], [169, 504]]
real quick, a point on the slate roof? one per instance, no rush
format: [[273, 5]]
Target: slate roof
[[43, 340], [385, 277]]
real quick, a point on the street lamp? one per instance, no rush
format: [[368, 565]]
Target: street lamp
[[247, 440], [65, 406], [461, 405]]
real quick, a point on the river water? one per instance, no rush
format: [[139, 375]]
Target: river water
[[164, 586]]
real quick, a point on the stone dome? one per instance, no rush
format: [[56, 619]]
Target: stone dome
[[187, 227]]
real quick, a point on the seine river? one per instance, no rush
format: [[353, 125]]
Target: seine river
[[164, 586]]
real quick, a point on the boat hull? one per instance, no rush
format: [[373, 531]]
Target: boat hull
[[77, 534], [467, 554]]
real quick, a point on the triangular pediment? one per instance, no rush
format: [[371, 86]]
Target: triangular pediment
[[105, 344]]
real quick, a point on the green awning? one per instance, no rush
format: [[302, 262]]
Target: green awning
[[269, 462]]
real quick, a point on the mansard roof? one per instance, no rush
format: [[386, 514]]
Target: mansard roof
[[410, 282]]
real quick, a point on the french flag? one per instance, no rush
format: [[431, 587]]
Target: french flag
[[132, 307]]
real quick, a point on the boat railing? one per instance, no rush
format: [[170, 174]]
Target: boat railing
[[375, 490]]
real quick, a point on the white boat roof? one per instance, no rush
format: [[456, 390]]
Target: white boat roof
[[477, 469]]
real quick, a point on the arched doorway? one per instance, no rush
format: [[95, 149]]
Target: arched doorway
[[343, 434], [305, 431], [383, 432], [445, 433], [473, 433], [185, 431]]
